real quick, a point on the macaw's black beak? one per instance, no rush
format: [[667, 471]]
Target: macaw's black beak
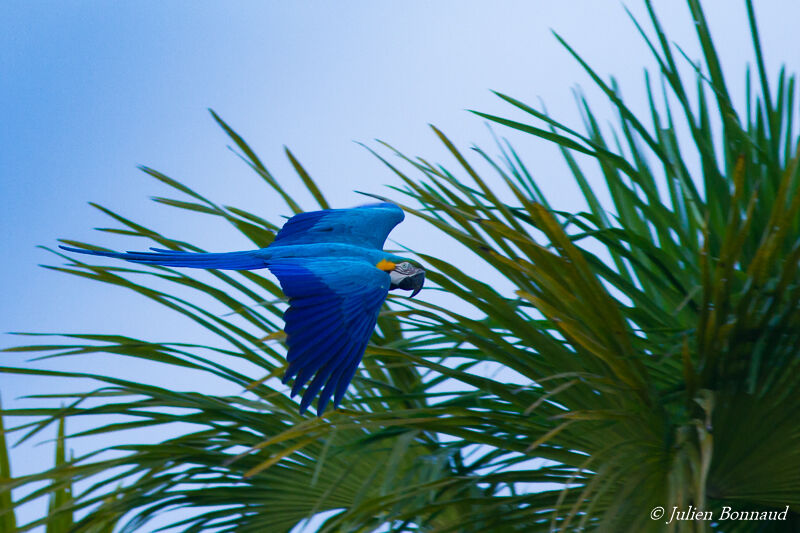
[[414, 283], [408, 278]]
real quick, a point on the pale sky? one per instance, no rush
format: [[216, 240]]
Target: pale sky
[[88, 90]]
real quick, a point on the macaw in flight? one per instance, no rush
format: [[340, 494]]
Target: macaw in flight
[[332, 267]]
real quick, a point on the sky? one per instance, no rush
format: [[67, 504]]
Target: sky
[[89, 90]]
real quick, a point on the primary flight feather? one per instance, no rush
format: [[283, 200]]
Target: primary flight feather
[[336, 276]]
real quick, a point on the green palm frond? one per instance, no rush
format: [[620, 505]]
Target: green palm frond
[[8, 520], [59, 510], [59, 517], [646, 356]]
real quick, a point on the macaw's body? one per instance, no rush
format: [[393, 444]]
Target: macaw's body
[[333, 270]]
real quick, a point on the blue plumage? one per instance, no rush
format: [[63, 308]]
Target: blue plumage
[[331, 266], [248, 260], [333, 308], [366, 226]]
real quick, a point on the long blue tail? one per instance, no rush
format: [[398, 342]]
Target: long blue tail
[[247, 260]]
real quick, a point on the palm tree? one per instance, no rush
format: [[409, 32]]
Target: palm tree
[[647, 358], [59, 517]]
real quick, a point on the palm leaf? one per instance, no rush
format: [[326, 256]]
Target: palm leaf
[[646, 354]]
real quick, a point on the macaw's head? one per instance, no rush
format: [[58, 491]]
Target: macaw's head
[[407, 277]]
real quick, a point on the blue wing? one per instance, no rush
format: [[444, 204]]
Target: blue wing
[[333, 308], [367, 226], [247, 260]]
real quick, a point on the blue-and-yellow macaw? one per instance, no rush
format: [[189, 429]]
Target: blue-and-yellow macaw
[[332, 267]]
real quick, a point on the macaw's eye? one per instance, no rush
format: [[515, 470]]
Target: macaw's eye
[[407, 277]]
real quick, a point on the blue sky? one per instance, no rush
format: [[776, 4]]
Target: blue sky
[[89, 90]]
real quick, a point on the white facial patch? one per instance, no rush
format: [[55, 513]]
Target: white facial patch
[[396, 277]]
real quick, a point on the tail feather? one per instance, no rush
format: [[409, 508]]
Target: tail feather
[[168, 251], [247, 260]]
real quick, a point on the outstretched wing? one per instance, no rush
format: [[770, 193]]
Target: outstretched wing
[[333, 308], [247, 260], [366, 226]]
